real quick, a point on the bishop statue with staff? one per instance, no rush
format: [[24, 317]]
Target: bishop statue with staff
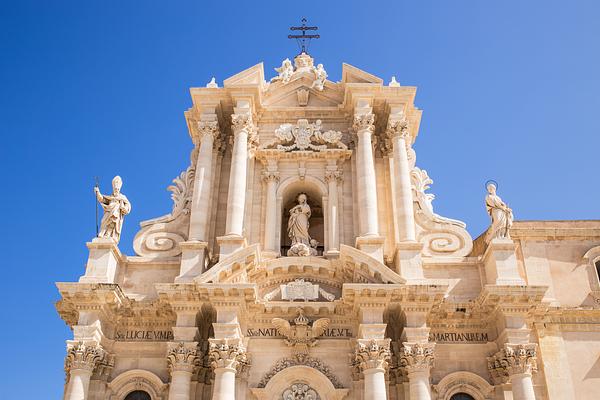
[[115, 206]]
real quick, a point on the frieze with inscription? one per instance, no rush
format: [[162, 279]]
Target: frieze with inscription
[[148, 335], [459, 337], [270, 332]]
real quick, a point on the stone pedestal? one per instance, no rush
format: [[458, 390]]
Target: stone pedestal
[[103, 262], [229, 244], [408, 261], [500, 262], [193, 260], [372, 245]]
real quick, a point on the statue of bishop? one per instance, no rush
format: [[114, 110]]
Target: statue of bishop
[[115, 206]]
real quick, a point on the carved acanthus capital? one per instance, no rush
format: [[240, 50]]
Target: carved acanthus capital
[[183, 357], [513, 359], [242, 122], [372, 354], [398, 127], [83, 356], [228, 355], [270, 176], [207, 128], [364, 122], [333, 175], [416, 357]]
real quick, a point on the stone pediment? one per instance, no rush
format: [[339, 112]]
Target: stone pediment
[[291, 94], [254, 75], [351, 74], [248, 266]]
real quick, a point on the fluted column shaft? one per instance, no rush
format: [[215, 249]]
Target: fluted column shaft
[[271, 178], [402, 184], [365, 170], [200, 211], [236, 197]]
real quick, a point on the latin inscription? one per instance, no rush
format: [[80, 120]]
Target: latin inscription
[[147, 335], [272, 332], [458, 337]]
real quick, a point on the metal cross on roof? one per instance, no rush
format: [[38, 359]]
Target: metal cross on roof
[[304, 39]]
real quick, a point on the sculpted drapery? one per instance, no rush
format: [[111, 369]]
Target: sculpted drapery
[[115, 206], [298, 222], [500, 214]]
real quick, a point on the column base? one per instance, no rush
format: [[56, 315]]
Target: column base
[[332, 254], [372, 245], [193, 260], [103, 262], [408, 262], [229, 244]]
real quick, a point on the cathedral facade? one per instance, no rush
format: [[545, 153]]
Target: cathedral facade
[[303, 259]]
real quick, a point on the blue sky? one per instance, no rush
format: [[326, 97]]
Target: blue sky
[[510, 91]]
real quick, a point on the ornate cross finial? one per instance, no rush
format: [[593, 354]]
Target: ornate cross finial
[[304, 39]]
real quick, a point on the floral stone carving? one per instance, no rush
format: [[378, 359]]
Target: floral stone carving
[[305, 136]]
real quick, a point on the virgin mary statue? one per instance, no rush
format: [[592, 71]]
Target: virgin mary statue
[[298, 222]]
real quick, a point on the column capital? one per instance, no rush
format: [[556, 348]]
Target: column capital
[[333, 175], [224, 354], [416, 357], [398, 127], [373, 354], [206, 127], [270, 176], [182, 356], [364, 122], [243, 122], [513, 359], [83, 356]]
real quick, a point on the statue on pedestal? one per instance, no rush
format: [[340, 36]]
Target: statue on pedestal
[[500, 214], [115, 206], [302, 244]]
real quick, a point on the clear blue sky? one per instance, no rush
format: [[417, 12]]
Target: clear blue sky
[[510, 90]]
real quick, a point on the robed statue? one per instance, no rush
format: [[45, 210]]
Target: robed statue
[[302, 244], [501, 215], [115, 206]]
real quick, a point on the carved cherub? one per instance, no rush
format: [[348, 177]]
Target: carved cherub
[[285, 72], [301, 336], [320, 77]]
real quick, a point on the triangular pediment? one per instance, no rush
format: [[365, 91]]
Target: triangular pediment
[[252, 76], [351, 74], [286, 95]]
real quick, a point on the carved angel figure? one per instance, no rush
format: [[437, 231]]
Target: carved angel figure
[[300, 336], [500, 214], [320, 77], [285, 72], [115, 206]]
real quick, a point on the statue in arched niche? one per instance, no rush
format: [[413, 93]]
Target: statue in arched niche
[[298, 224]]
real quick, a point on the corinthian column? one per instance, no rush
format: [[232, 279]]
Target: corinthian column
[[398, 132], [332, 177], [194, 250], [271, 178], [364, 126], [417, 360], [226, 359], [515, 363], [242, 126], [80, 362], [372, 358], [182, 360]]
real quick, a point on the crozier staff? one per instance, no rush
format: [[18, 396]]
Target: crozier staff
[[115, 206]]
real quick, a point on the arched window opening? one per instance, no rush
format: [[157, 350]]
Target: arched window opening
[[598, 270], [462, 396], [138, 395]]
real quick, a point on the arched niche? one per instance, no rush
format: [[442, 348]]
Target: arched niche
[[137, 379], [299, 374], [464, 382], [316, 192]]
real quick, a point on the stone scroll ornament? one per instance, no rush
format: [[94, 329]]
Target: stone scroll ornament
[[305, 136], [116, 207], [439, 235], [160, 237]]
